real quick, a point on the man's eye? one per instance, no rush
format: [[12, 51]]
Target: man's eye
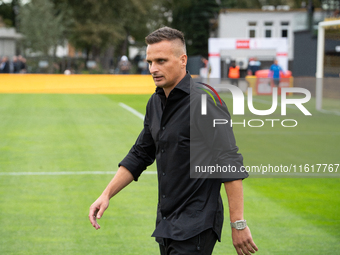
[[161, 61]]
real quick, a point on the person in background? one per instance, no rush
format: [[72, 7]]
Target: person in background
[[274, 72], [124, 65], [143, 66], [4, 65], [253, 66], [22, 64], [234, 73], [15, 65], [205, 62]]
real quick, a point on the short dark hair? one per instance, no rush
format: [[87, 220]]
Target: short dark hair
[[164, 34]]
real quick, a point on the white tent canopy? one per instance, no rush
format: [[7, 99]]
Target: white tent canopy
[[216, 45]]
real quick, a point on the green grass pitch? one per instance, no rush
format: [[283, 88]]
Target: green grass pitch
[[47, 214]]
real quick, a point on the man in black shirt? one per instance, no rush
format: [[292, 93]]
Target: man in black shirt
[[190, 210]]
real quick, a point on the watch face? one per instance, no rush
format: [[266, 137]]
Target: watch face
[[241, 225]]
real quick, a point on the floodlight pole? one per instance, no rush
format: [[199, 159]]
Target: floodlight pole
[[320, 60]]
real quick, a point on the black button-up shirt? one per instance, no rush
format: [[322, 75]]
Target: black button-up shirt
[[186, 206]]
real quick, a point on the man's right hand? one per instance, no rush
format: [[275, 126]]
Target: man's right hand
[[122, 178], [97, 209]]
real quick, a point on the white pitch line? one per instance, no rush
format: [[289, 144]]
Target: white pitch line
[[66, 173], [133, 111], [330, 112]]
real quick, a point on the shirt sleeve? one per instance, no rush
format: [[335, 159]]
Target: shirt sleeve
[[225, 148], [220, 141], [142, 153]]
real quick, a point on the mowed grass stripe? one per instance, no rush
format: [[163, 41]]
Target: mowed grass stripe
[[48, 215], [311, 199], [60, 132], [281, 229]]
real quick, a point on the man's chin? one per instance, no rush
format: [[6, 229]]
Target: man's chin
[[160, 85]]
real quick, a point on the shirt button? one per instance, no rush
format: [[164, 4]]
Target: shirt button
[[163, 196], [163, 174], [164, 218], [163, 128], [163, 151]]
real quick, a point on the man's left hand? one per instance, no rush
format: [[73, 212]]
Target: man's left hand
[[243, 242]]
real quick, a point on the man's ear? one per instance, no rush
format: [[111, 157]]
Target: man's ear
[[184, 60]]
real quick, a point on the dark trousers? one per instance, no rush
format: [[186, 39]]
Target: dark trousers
[[202, 244], [234, 82], [276, 82]]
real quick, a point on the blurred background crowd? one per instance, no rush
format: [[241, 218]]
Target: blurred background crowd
[[16, 65]]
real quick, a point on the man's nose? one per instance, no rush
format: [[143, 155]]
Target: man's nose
[[153, 68]]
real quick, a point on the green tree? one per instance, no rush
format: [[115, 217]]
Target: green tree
[[242, 4], [94, 25], [42, 28], [193, 17], [7, 14]]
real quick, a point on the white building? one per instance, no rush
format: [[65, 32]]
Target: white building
[[270, 22], [8, 38]]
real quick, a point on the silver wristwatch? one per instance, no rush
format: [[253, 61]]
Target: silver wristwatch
[[239, 224]]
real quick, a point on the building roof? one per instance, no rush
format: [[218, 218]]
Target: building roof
[[226, 10], [9, 33]]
